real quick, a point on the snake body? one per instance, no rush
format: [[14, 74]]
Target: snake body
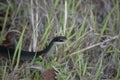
[[26, 55]]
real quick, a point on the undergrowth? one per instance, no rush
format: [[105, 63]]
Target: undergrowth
[[91, 51]]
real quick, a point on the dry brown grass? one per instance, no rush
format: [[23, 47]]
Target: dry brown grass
[[92, 28]]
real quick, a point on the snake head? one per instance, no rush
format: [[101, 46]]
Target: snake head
[[60, 39]]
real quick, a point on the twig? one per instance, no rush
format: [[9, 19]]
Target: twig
[[92, 46]]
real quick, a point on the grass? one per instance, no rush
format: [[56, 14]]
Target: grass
[[91, 51]]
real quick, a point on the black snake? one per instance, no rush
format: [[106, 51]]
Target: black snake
[[26, 55]]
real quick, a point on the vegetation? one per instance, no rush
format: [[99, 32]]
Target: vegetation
[[92, 50]]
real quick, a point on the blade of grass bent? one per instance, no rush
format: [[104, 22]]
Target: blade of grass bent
[[18, 48]]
